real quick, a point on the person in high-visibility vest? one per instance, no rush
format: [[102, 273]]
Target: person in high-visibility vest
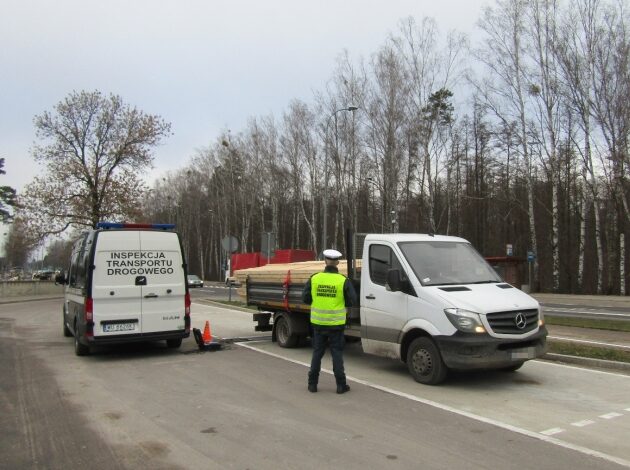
[[329, 293]]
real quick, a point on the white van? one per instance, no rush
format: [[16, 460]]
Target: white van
[[430, 301], [126, 282]]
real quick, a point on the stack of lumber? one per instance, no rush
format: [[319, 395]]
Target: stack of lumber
[[277, 273]]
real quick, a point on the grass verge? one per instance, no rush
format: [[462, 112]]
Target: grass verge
[[573, 349], [580, 350], [613, 325]]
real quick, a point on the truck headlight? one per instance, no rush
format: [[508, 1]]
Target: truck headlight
[[541, 317], [465, 320]]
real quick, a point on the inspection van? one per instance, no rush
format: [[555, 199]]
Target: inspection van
[[126, 282], [431, 301]]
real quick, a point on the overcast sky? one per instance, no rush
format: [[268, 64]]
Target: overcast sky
[[203, 65]]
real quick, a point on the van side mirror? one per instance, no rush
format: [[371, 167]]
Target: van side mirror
[[60, 278], [394, 281]]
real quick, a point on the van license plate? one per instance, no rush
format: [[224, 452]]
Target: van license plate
[[119, 327], [525, 353]]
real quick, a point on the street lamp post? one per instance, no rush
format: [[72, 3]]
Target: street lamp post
[[325, 224], [375, 185]]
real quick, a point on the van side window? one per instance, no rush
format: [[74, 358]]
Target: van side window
[[382, 259], [72, 276], [81, 270], [78, 265]]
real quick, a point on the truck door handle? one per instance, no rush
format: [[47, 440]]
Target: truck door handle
[[150, 296], [370, 296]]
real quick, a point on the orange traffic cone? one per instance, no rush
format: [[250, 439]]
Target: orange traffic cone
[[207, 341], [207, 336]]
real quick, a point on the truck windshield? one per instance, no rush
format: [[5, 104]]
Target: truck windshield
[[443, 263]]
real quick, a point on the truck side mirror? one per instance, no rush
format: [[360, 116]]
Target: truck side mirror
[[394, 281]]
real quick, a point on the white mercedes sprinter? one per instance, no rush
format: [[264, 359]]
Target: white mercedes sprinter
[[126, 282]]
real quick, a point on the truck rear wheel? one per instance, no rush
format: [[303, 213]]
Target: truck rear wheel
[[285, 335], [425, 362]]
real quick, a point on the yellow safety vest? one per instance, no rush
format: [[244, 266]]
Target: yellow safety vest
[[328, 307]]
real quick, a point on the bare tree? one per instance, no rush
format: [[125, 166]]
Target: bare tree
[[299, 150], [547, 100], [612, 113], [19, 244], [505, 171], [505, 92], [431, 70], [7, 198], [386, 118], [94, 149]]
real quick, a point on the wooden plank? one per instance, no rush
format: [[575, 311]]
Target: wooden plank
[[299, 272]]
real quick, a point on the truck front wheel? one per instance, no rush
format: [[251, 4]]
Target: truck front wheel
[[425, 362], [284, 332]]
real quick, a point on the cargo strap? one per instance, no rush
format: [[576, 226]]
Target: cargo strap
[[285, 290]]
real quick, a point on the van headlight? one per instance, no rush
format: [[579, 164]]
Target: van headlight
[[541, 316], [465, 320]]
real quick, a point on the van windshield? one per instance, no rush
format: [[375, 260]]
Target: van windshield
[[443, 263]]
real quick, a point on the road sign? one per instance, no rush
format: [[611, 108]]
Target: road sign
[[530, 256], [268, 244], [229, 243]]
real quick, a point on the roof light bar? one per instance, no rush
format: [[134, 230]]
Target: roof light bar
[[111, 225]]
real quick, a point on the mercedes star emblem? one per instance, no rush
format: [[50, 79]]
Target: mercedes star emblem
[[520, 320]]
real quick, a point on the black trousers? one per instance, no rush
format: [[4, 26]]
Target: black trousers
[[334, 339]]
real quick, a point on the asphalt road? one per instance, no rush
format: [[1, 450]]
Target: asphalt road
[[214, 291], [145, 406], [586, 306]]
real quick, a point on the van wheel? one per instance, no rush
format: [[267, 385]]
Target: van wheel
[[425, 363], [66, 331], [513, 367], [174, 343], [80, 349], [284, 332]]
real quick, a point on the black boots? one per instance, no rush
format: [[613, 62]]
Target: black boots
[[340, 388], [312, 384], [312, 381]]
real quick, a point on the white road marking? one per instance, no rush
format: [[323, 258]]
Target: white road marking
[[552, 431], [611, 415], [584, 369], [581, 424], [573, 340], [540, 436]]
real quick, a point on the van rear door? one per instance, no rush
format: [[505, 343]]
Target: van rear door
[[116, 294], [163, 296]]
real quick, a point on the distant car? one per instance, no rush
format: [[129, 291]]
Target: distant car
[[43, 275], [194, 281]]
